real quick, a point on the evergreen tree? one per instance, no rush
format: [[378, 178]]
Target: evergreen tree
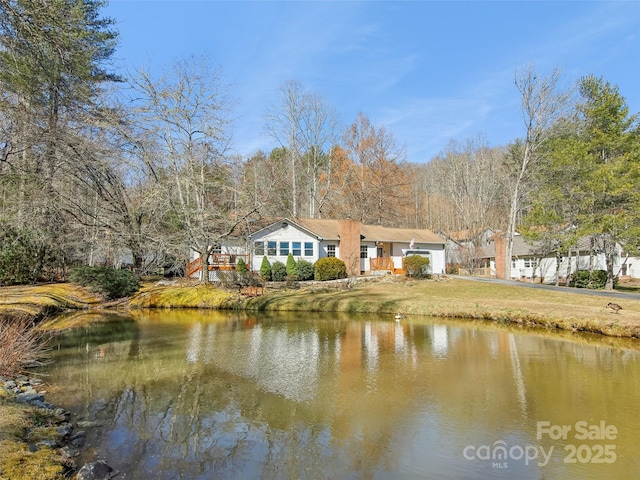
[[52, 58], [241, 267], [609, 151], [551, 215], [292, 269], [265, 269], [588, 183], [278, 272]]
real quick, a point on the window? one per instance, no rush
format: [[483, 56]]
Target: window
[[258, 248], [513, 264], [364, 251], [271, 248], [284, 249], [308, 249], [217, 249], [296, 249], [529, 262], [331, 250]]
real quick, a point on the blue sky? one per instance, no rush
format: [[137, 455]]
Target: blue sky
[[429, 71]]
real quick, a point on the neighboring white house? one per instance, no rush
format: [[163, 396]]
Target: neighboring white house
[[463, 250], [530, 262], [458, 244], [363, 248]]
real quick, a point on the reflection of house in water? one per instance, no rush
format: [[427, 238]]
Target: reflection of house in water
[[281, 362], [193, 343], [370, 343], [440, 341], [364, 382], [285, 360]]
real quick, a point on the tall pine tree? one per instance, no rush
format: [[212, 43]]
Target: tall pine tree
[[52, 71], [609, 203]]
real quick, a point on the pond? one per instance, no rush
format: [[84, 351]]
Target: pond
[[226, 395]]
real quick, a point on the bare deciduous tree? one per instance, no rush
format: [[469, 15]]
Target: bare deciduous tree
[[462, 190], [542, 104], [184, 112], [284, 124], [318, 136], [306, 126], [378, 191]]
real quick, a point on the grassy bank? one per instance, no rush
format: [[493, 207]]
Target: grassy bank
[[447, 298], [455, 298], [181, 294], [38, 301], [28, 434]]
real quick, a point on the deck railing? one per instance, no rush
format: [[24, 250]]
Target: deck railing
[[227, 259], [387, 264], [381, 263], [193, 266]]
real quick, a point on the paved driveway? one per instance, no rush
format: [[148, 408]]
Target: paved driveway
[[581, 291]]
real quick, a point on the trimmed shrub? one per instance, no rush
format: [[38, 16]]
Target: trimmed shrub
[[106, 280], [265, 269], [241, 266], [596, 279], [292, 269], [305, 270], [417, 266], [278, 272], [330, 268]]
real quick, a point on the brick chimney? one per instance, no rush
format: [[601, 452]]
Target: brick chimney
[[349, 232]]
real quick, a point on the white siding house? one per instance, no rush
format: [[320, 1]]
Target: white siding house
[[364, 248], [283, 237], [530, 262]]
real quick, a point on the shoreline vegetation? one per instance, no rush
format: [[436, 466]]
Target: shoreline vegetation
[[443, 297]]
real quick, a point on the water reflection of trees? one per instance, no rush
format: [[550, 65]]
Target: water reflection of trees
[[273, 397]]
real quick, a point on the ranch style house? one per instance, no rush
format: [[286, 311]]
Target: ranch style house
[[365, 249]]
